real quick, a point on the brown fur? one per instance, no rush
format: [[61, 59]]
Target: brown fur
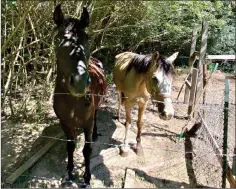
[[79, 112], [80, 82], [82, 108], [133, 77]]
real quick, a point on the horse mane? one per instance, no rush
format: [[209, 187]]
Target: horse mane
[[141, 64]]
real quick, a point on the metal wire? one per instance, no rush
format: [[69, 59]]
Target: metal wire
[[203, 105], [120, 145]]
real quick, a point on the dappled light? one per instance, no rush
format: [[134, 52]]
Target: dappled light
[[58, 77]]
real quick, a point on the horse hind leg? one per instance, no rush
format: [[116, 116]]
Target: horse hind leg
[[95, 132], [139, 148], [125, 148], [120, 102]]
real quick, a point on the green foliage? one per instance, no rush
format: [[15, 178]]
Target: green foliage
[[223, 42], [109, 78], [115, 26]]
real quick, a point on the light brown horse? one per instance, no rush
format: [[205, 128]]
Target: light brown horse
[[137, 77], [79, 77]]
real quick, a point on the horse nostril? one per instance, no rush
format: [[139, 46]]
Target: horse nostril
[[155, 80], [71, 80], [163, 114]]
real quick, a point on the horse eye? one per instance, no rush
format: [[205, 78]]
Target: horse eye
[[87, 36]]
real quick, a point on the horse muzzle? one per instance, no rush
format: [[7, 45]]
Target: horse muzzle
[[78, 86], [166, 109]]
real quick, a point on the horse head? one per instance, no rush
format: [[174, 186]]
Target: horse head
[[72, 50], [159, 83]]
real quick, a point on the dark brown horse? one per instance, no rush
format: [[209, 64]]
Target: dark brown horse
[[79, 78]]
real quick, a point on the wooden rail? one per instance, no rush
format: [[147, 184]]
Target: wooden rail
[[220, 58], [129, 178], [11, 179]]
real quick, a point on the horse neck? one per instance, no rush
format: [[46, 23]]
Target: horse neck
[[61, 86], [148, 83]]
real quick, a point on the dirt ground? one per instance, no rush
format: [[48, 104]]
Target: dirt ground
[[163, 164]]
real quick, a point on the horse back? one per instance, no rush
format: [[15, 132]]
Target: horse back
[[125, 77], [122, 62]]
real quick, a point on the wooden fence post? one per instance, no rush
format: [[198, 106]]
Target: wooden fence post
[[202, 55], [191, 61], [192, 98]]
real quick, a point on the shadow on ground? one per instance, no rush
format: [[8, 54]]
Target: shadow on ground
[[163, 183], [52, 166]]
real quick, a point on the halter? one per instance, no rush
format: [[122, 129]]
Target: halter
[[152, 92]]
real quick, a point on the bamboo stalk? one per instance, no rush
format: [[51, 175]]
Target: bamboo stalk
[[22, 19], [79, 5], [9, 79]]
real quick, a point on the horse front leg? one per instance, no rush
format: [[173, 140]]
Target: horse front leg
[[139, 148], [125, 148], [71, 138], [87, 150]]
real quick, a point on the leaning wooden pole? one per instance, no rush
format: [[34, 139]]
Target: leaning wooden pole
[[202, 55], [192, 58], [218, 153], [204, 81], [192, 98], [11, 179]]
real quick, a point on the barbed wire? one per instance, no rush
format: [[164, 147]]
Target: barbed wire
[[130, 145], [140, 97]]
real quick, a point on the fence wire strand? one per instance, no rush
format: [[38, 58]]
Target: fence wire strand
[[205, 163]]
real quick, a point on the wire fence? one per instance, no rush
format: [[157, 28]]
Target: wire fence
[[204, 169], [208, 168]]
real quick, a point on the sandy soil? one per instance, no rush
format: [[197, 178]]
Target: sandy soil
[[163, 164]]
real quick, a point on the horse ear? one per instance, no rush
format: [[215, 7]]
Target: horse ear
[[58, 15], [172, 58], [155, 56], [84, 19]]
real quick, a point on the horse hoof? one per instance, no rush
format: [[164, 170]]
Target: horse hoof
[[95, 137], [116, 117], [124, 151], [139, 152], [124, 154], [69, 184], [71, 177], [84, 185]]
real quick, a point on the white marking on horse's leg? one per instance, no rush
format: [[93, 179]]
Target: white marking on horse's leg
[[126, 147], [127, 127], [119, 105]]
